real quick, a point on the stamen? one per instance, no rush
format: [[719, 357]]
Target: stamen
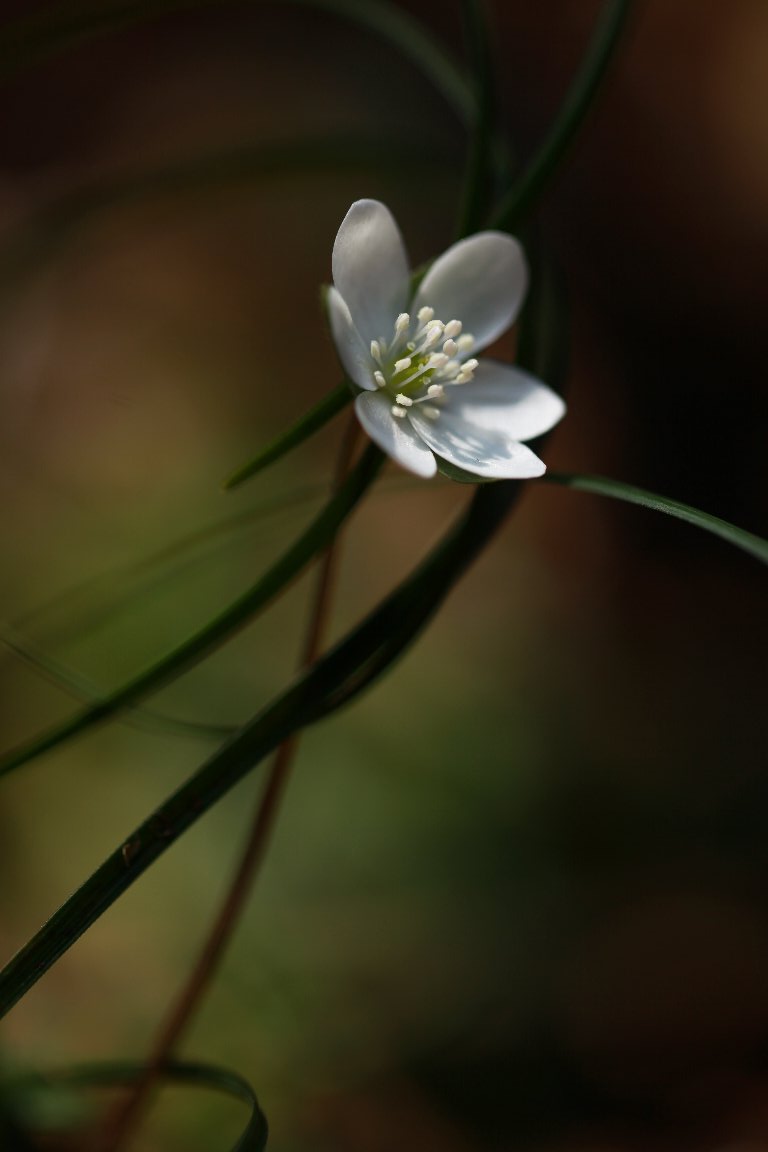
[[431, 412], [403, 400], [403, 321], [398, 411], [415, 376], [376, 351], [437, 360], [466, 341], [401, 365], [433, 335], [380, 381], [424, 315], [450, 347], [467, 372], [435, 390], [453, 327]]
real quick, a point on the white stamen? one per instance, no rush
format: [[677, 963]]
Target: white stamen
[[401, 365], [453, 327], [403, 321], [431, 412], [425, 315], [466, 341], [376, 351], [467, 372], [433, 335], [403, 400], [450, 347], [398, 411], [379, 378], [435, 390], [437, 360], [451, 368]]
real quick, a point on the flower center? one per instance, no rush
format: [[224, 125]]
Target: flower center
[[424, 356]]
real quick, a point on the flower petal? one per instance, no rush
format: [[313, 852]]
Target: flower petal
[[394, 436], [354, 356], [505, 399], [370, 269], [482, 451], [481, 281]]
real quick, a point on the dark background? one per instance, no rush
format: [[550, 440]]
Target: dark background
[[517, 898]]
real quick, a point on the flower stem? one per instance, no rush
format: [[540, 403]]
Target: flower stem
[[191, 651], [579, 99], [121, 1123], [480, 142]]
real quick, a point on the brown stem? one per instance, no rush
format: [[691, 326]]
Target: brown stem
[[123, 1120]]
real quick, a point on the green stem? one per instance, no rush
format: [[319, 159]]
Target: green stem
[[113, 1075], [481, 138], [306, 426], [601, 486], [580, 97], [334, 676], [121, 1123], [191, 651]]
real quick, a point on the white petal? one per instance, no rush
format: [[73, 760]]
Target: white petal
[[481, 281], [354, 355], [505, 399], [394, 436], [370, 269], [483, 451]]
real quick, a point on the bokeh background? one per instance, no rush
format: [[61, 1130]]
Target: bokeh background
[[517, 896]]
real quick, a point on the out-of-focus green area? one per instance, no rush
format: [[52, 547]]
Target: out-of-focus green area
[[516, 898]]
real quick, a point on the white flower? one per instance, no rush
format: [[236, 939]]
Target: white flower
[[423, 393]]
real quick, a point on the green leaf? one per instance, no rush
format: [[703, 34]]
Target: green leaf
[[339, 675], [304, 427], [601, 486], [253, 1137], [32, 39], [335, 679], [315, 538], [81, 688], [82, 607], [479, 159], [523, 195], [53, 224], [390, 22]]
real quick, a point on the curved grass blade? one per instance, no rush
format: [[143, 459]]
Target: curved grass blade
[[601, 486], [306, 426], [81, 688], [352, 665], [213, 634], [389, 22], [327, 684], [54, 223], [82, 607], [580, 97], [253, 1137], [479, 160], [32, 40]]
